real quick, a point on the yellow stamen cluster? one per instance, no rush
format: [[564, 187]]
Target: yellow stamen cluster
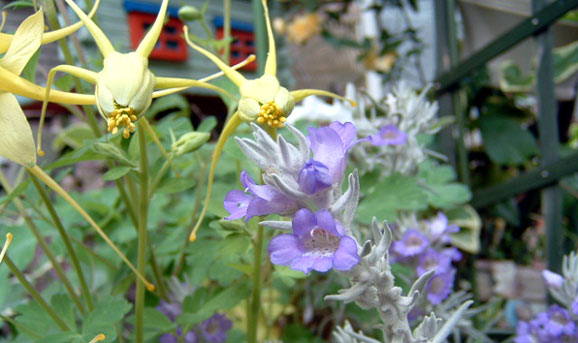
[[271, 114], [122, 117]]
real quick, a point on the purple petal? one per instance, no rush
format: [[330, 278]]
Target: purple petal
[[314, 177], [346, 257], [388, 135], [328, 149], [326, 222], [284, 249], [168, 338], [322, 264], [236, 203], [440, 287], [575, 306], [303, 222], [246, 179], [347, 133], [552, 279], [260, 207], [303, 263]]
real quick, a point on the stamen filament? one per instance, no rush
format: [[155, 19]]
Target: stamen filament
[[39, 173], [9, 237], [98, 338]]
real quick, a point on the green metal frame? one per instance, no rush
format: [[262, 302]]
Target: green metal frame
[[552, 167]]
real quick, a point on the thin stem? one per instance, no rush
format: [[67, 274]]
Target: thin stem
[[227, 30], [256, 298], [66, 240], [34, 293], [142, 231], [43, 244]]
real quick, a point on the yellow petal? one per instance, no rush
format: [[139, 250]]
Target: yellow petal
[[249, 109], [12, 83], [16, 141], [104, 45], [271, 64], [25, 43], [262, 89], [148, 43], [231, 73], [49, 37]]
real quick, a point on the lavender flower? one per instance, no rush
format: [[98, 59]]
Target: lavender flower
[[261, 200], [552, 279], [318, 243], [190, 337], [430, 259], [555, 325], [388, 135], [439, 229], [411, 244], [314, 177], [440, 286], [215, 328], [575, 307]]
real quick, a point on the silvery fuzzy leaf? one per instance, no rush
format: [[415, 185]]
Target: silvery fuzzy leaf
[[420, 284], [302, 145], [348, 295], [287, 185], [277, 224], [346, 334], [428, 327], [254, 152], [450, 323], [366, 249], [347, 203]]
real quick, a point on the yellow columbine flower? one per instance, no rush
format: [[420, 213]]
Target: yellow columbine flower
[[9, 237], [124, 88], [16, 140], [263, 100]]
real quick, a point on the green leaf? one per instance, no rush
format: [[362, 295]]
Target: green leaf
[[448, 195], [287, 275], [470, 224], [565, 61], [109, 150], [73, 136], [208, 124], [65, 82], [505, 141], [29, 71], [395, 192], [234, 244], [175, 185], [175, 102], [104, 317], [512, 79], [21, 188], [116, 173], [63, 305]]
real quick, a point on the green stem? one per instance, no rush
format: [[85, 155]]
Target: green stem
[[43, 245], [256, 297], [142, 231], [34, 293], [227, 29], [158, 177], [56, 220]]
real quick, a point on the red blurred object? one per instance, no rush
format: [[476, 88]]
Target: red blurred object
[[242, 46], [171, 45]]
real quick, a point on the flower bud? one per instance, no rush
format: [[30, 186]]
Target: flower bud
[[189, 142], [189, 13]]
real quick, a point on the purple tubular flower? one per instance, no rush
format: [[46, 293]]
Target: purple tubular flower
[[431, 259], [411, 244], [330, 145], [318, 243], [453, 253], [314, 177], [388, 135], [215, 328], [261, 200], [553, 280], [440, 286], [439, 230]]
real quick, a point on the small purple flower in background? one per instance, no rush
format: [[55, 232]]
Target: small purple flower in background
[[411, 244], [453, 253], [318, 243], [314, 177], [215, 328], [575, 307], [556, 324], [440, 286], [524, 333], [330, 145], [439, 230], [171, 310], [431, 259], [190, 337], [388, 135], [261, 200], [552, 279]]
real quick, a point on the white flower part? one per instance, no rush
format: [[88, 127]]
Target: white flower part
[[262, 89], [249, 109], [315, 109]]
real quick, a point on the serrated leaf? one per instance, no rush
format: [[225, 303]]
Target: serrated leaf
[[116, 173], [512, 79], [103, 318], [470, 224]]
